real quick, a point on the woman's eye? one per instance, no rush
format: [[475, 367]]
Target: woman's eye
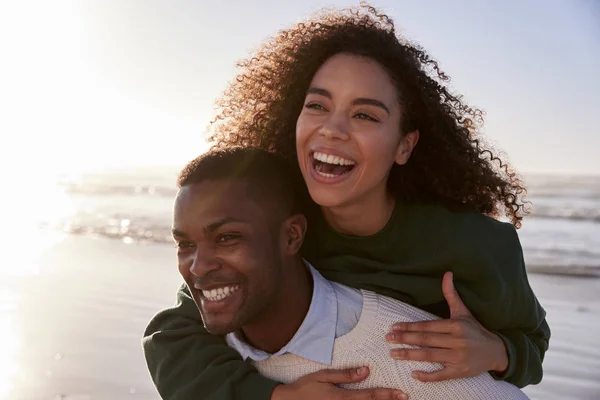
[[315, 106], [366, 117]]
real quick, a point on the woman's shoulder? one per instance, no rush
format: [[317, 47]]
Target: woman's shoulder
[[487, 245], [459, 224], [473, 240]]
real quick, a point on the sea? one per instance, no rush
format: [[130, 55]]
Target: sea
[[561, 235]]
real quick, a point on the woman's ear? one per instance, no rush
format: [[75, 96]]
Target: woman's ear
[[406, 147], [294, 232]]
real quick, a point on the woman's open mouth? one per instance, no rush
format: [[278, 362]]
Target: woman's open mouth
[[330, 167]]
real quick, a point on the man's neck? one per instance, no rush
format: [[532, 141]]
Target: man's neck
[[278, 325], [362, 218]]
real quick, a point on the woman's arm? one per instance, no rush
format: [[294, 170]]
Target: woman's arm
[[496, 301], [514, 314], [186, 362], [525, 353], [496, 290]]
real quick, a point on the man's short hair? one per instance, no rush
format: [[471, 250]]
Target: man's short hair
[[267, 172]]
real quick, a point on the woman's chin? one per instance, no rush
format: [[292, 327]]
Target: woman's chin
[[327, 198]]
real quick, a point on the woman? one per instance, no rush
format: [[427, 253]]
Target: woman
[[405, 189]]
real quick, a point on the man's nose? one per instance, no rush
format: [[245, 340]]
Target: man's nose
[[204, 262]]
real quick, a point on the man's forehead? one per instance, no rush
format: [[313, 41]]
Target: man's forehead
[[223, 197], [214, 191]]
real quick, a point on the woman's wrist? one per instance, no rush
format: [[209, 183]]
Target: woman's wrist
[[501, 360]]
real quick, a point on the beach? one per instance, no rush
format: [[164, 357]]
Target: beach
[[73, 312]]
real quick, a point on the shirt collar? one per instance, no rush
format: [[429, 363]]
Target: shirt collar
[[316, 335]]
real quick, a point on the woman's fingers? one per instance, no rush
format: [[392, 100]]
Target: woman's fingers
[[429, 355], [424, 339]]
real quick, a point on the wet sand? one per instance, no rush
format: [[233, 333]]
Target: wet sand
[[72, 316]]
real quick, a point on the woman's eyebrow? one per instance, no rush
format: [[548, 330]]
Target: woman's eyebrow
[[358, 101], [371, 102]]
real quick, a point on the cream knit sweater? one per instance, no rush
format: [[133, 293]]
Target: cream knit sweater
[[366, 345]]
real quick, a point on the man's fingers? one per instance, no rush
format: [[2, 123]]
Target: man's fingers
[[443, 374], [429, 355], [426, 339], [337, 376], [375, 394]]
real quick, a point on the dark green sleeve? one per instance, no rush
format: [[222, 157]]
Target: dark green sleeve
[[186, 362], [526, 353], [500, 297]]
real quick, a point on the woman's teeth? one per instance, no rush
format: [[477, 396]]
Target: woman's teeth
[[319, 169], [330, 166], [331, 159], [220, 293]]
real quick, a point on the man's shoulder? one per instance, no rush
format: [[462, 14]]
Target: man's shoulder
[[345, 290], [390, 309]]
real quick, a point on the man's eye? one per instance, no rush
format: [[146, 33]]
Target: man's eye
[[184, 245], [227, 237]]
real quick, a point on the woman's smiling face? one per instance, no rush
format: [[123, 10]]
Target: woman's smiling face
[[348, 133]]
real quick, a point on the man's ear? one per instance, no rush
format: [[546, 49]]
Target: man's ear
[[406, 147], [294, 230]]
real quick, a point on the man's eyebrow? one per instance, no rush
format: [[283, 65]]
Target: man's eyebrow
[[210, 228], [177, 233], [358, 101], [227, 220]]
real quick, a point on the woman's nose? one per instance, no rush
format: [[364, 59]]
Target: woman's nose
[[335, 128]]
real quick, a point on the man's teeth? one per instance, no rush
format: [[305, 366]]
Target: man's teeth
[[331, 159], [220, 293]]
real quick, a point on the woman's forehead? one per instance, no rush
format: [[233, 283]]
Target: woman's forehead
[[358, 75]]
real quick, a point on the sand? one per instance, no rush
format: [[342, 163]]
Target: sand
[[72, 315]]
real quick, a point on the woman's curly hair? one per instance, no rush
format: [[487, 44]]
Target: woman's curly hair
[[450, 165]]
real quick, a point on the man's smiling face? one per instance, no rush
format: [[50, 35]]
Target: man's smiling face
[[229, 252]]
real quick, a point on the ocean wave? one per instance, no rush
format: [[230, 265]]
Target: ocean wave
[[111, 190], [566, 198], [561, 237], [123, 230], [555, 262], [574, 214], [568, 270], [589, 213]]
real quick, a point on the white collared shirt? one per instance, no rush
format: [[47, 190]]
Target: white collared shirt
[[334, 310]]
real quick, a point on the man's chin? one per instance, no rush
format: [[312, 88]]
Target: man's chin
[[220, 323], [220, 328]]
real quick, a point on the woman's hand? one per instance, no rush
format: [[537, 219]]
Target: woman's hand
[[461, 343]]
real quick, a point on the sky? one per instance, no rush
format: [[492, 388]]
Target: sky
[[96, 84]]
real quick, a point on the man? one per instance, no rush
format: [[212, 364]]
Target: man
[[238, 229]]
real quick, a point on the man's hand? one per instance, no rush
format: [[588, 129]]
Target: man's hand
[[461, 343], [321, 385]]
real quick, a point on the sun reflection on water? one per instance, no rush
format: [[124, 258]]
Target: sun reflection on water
[[9, 342], [23, 241]]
